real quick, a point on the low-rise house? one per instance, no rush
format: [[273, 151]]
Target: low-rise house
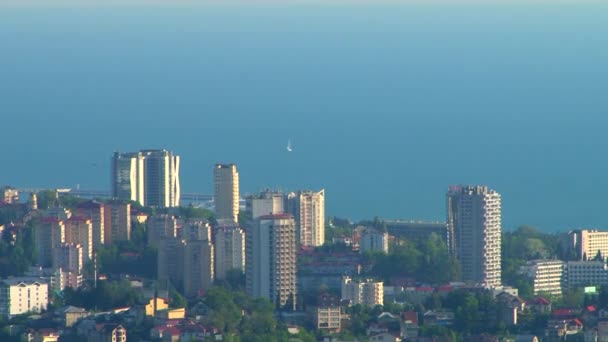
[[439, 317], [540, 305], [108, 333], [385, 337], [409, 325], [511, 301], [40, 335], [328, 314], [69, 315]]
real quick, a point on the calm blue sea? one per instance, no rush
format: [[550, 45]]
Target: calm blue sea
[[385, 105]]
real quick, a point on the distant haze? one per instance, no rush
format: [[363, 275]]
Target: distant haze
[[385, 105]]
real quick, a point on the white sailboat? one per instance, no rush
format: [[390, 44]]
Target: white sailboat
[[289, 148]]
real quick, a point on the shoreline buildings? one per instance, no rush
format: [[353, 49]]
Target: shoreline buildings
[[474, 233]]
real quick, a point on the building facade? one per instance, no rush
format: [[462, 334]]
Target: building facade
[[48, 234], [588, 244], [150, 177], [161, 226], [474, 233], [366, 292], [22, 295], [373, 241], [117, 222], [68, 257], [226, 191], [171, 262], [308, 209], [198, 267], [267, 203], [229, 248], [586, 273], [547, 275], [271, 259], [79, 230], [95, 211]]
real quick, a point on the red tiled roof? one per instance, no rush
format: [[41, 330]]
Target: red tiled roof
[[411, 316], [563, 312], [541, 301]]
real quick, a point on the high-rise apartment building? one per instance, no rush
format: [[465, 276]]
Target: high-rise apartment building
[[267, 203], [226, 191], [308, 209], [95, 211], [161, 226], [229, 248], [171, 262], [117, 222], [195, 229], [198, 267], [271, 259], [474, 232], [128, 176], [48, 234], [68, 257], [150, 177], [79, 230]]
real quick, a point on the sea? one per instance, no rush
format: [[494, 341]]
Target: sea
[[385, 104]]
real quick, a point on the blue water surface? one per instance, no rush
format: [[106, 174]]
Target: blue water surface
[[385, 105]]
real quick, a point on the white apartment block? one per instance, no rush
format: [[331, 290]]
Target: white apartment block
[[308, 209], [373, 241], [22, 295], [226, 191], [588, 243], [267, 203], [586, 273], [547, 275], [366, 292], [474, 233], [271, 259]]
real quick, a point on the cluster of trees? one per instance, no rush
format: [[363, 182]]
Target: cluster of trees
[[16, 256], [428, 261], [523, 244], [243, 318], [107, 295]]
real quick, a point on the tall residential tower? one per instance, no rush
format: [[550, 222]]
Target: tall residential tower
[[150, 177], [226, 191], [271, 259], [474, 232], [308, 209]]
